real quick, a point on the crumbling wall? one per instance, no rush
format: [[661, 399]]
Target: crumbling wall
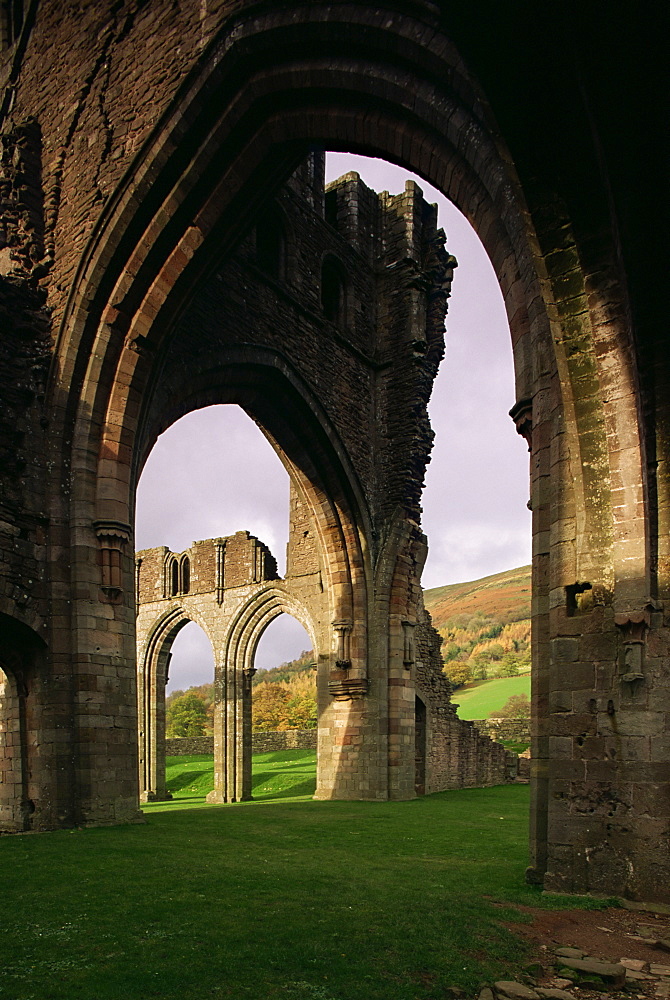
[[458, 755]]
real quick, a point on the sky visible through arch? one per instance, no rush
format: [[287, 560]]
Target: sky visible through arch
[[213, 472]]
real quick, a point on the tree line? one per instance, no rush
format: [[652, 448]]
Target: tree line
[[481, 647], [283, 698]]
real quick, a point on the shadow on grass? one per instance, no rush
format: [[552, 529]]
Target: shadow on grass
[[299, 790], [284, 756], [180, 781]]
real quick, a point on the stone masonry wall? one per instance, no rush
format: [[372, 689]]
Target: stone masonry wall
[[230, 587], [289, 739], [142, 143], [458, 755], [504, 729]]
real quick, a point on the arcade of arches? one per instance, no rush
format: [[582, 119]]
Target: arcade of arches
[[134, 288], [235, 593]]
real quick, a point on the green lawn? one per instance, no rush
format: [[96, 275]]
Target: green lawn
[[276, 899], [479, 701], [289, 773]]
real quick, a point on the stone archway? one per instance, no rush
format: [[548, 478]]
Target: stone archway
[[153, 659], [25, 773], [189, 177], [233, 706], [234, 594]]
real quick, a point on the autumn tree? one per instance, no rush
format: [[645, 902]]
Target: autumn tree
[[186, 716], [517, 706]]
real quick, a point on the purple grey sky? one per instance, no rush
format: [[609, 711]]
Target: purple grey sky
[[475, 512]]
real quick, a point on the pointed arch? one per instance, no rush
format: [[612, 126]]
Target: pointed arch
[[153, 659], [232, 720]]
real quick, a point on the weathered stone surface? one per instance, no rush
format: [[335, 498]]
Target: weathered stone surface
[[634, 964], [570, 952], [515, 991], [229, 585], [554, 993], [615, 975]]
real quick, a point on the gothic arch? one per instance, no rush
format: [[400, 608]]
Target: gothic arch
[[265, 384], [263, 88], [451, 141], [24, 773], [232, 684], [153, 661]]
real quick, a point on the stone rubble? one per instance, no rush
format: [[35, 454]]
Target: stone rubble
[[591, 978]]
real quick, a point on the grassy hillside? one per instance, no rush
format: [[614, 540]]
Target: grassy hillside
[[485, 626], [503, 596], [480, 700]]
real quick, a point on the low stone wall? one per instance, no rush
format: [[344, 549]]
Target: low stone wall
[[175, 746], [505, 729], [291, 739]]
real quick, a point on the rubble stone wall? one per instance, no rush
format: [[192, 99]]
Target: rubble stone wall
[[290, 739], [459, 756], [504, 729]]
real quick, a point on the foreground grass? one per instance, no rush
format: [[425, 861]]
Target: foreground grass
[[279, 899], [478, 701]]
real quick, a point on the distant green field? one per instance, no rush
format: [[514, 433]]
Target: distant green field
[[478, 701]]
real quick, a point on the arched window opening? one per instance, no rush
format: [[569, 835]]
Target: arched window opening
[[174, 577], [176, 708], [285, 679], [10, 754], [240, 485], [21, 652], [333, 292], [284, 709], [185, 575], [191, 668], [271, 245]]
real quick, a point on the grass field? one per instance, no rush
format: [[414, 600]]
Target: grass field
[[478, 701], [289, 773], [276, 899]]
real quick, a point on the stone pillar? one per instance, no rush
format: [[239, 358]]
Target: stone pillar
[[232, 735], [153, 676], [12, 760]]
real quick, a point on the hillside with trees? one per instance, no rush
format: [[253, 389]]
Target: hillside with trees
[[283, 698], [485, 626]]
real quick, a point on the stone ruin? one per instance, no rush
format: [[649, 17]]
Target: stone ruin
[[156, 258], [230, 588]]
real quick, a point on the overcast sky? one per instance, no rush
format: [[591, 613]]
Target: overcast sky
[[213, 473]]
